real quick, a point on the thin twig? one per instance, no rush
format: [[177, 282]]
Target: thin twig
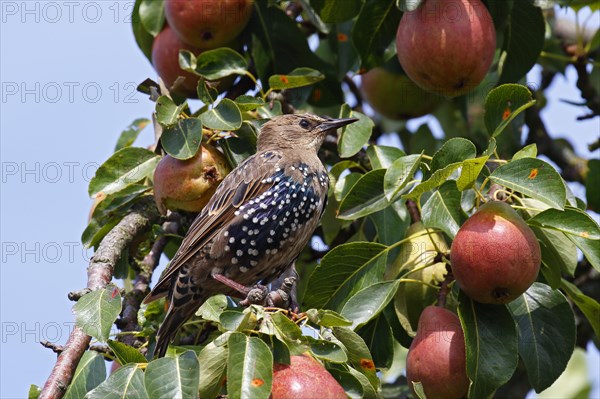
[[100, 272]]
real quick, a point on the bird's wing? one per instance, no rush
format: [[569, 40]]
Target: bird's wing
[[247, 181]]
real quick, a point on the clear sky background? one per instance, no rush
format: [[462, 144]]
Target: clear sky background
[[68, 72]]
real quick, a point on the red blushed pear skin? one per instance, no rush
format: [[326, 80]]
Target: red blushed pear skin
[[495, 256], [447, 46], [304, 378], [165, 59], [188, 185], [436, 357], [208, 24]]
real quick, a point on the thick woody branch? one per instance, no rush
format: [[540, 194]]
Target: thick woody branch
[[141, 285], [100, 271]]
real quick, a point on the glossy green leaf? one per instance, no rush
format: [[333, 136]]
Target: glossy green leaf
[[569, 221], [355, 136], [249, 367], [358, 353], [575, 382], [95, 231], [399, 174], [524, 41], [299, 77], [374, 30], [546, 327], [454, 150], [182, 140], [34, 392], [492, 345], [218, 63], [503, 104], [471, 169], [126, 354], [212, 308], [143, 39], [529, 151], [225, 116], [167, 112], [114, 204], [132, 132], [327, 318], [369, 302], [382, 157], [378, 336], [344, 270], [152, 15], [235, 320], [288, 332], [350, 383], [336, 11], [90, 373], [124, 168], [249, 103], [327, 351], [96, 311], [213, 362], [391, 223], [588, 306], [590, 249], [173, 377], [438, 178], [443, 210], [365, 197], [592, 184], [534, 178], [126, 382]]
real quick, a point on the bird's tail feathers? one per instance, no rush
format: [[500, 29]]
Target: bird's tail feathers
[[174, 319]]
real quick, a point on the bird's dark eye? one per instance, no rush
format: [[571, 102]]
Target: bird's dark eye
[[304, 123]]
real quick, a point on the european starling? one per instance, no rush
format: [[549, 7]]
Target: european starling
[[255, 225]]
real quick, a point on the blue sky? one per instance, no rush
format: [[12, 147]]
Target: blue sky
[[68, 72]]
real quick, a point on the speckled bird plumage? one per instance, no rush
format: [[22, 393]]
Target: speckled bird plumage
[[256, 224]]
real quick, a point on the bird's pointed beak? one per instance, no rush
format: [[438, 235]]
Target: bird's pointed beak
[[331, 124]]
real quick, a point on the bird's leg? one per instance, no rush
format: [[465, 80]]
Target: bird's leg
[[252, 295]]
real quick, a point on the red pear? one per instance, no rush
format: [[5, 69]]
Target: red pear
[[447, 46], [495, 256], [304, 378], [208, 24]]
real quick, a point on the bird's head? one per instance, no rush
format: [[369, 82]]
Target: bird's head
[[304, 132]]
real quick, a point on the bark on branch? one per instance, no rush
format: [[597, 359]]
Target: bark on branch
[[100, 272]]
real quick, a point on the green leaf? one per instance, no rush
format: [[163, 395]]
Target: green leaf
[[365, 197], [124, 168], [570, 221], [116, 203], [218, 63], [213, 360], [90, 373], [503, 104], [327, 350], [206, 93], [358, 353], [378, 336], [443, 211], [182, 140], [336, 11], [212, 308], [327, 318], [95, 232], [575, 382], [592, 184], [588, 306], [349, 382], [126, 382], [96, 311], [356, 135], [382, 157], [524, 41], [170, 377], [529, 151], [225, 116], [492, 343], [152, 15], [470, 172], [590, 249], [369, 302], [344, 270], [299, 77], [546, 327], [126, 354], [167, 112], [143, 39], [249, 103], [391, 223], [454, 150], [289, 333], [129, 135], [236, 320], [534, 178], [399, 174], [374, 30], [438, 178], [34, 392], [249, 367]]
